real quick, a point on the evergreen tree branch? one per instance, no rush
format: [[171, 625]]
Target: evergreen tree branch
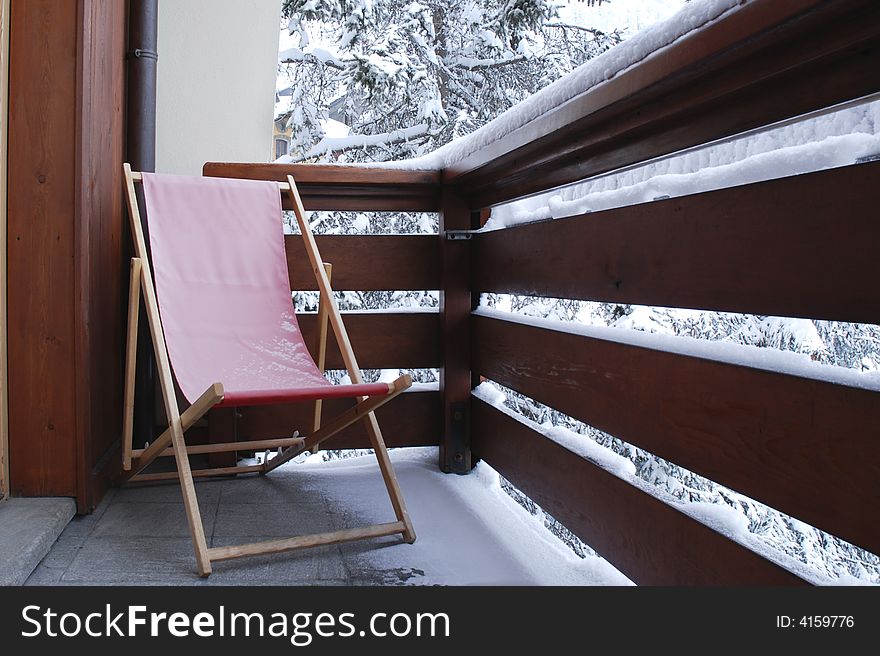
[[484, 64], [296, 56], [329, 145], [597, 34]]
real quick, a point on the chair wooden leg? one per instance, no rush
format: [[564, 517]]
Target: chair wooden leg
[[388, 475], [134, 301], [190, 501]]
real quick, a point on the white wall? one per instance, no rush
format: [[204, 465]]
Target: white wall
[[216, 82]]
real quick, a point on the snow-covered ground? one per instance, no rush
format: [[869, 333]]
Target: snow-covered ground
[[470, 532]]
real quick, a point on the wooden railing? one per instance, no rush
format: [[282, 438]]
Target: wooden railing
[[803, 246]]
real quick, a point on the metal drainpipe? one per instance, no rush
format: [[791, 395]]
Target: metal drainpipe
[[141, 154]]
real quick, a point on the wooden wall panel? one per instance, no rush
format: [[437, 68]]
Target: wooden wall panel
[[42, 243], [102, 248], [67, 245], [4, 105]]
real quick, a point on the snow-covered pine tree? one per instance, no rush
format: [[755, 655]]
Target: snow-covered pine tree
[[408, 76]]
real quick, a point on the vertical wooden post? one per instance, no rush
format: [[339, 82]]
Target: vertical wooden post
[[4, 96], [455, 310], [41, 259]]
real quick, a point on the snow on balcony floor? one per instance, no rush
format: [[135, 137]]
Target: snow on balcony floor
[[469, 532]]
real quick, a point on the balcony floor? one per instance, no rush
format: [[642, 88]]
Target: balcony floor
[[469, 532]]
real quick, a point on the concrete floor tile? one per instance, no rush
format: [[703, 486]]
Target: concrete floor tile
[[63, 552], [206, 491], [151, 520], [277, 487], [271, 520], [44, 576], [134, 561], [315, 566]]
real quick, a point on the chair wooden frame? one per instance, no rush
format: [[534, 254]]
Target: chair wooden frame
[[171, 442]]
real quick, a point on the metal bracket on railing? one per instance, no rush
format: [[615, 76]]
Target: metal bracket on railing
[[458, 448], [458, 235]]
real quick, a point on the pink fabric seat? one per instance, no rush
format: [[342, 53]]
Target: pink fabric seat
[[224, 293]]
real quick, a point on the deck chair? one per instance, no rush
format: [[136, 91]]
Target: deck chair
[[222, 316]]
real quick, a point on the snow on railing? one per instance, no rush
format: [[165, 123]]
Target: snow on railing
[[647, 43]]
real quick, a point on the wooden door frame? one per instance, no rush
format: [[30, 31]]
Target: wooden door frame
[[4, 108]]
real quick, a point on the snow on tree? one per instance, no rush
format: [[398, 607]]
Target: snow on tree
[[410, 75]]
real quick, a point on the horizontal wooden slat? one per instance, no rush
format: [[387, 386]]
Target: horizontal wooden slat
[[766, 62], [412, 419], [798, 246], [365, 263], [305, 541], [646, 539], [197, 473], [199, 449], [406, 339], [337, 187], [806, 447]]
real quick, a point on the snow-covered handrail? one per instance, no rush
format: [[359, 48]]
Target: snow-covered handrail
[[345, 187], [715, 69]]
